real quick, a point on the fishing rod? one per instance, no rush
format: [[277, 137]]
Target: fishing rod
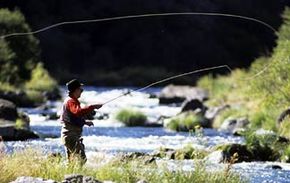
[[167, 79]]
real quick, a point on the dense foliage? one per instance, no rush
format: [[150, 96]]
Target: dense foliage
[[263, 91], [20, 66], [19, 55]]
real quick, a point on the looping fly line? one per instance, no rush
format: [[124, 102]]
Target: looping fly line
[[140, 16], [157, 15]]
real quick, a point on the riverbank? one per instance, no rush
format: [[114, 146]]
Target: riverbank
[[36, 164]]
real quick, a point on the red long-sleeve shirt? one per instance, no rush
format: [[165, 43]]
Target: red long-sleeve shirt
[[72, 112], [74, 106]]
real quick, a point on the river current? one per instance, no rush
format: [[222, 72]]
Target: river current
[[108, 136]]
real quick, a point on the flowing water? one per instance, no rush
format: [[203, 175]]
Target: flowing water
[[108, 136]]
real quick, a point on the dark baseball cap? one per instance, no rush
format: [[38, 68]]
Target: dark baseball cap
[[73, 84]]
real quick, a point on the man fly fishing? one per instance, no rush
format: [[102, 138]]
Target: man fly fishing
[[73, 119]]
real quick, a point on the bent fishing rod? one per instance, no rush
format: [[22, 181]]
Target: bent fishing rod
[[167, 79]]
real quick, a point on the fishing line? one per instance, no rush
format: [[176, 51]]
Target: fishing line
[[140, 16], [268, 26]]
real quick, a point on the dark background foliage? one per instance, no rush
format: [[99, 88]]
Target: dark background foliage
[[104, 53]]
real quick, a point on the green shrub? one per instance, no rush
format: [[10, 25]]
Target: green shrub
[[131, 117], [41, 80], [20, 124], [185, 122]]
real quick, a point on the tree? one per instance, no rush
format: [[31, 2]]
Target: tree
[[19, 54]]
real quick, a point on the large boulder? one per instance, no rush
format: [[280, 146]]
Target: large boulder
[[8, 110], [177, 94]]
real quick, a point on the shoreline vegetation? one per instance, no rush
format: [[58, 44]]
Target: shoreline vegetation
[[259, 96], [36, 164]]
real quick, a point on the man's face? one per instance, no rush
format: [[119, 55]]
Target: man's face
[[78, 92]]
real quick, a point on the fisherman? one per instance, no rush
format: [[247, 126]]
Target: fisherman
[[73, 119]]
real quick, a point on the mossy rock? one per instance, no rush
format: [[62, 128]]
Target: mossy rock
[[186, 121], [229, 151], [265, 146]]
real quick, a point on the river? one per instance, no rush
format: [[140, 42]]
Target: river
[[108, 136]]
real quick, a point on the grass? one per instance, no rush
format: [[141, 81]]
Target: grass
[[184, 122], [131, 117], [189, 152], [36, 164], [263, 90]]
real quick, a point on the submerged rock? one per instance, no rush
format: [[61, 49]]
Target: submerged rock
[[275, 167]]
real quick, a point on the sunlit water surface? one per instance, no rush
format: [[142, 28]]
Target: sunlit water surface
[[109, 137]]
